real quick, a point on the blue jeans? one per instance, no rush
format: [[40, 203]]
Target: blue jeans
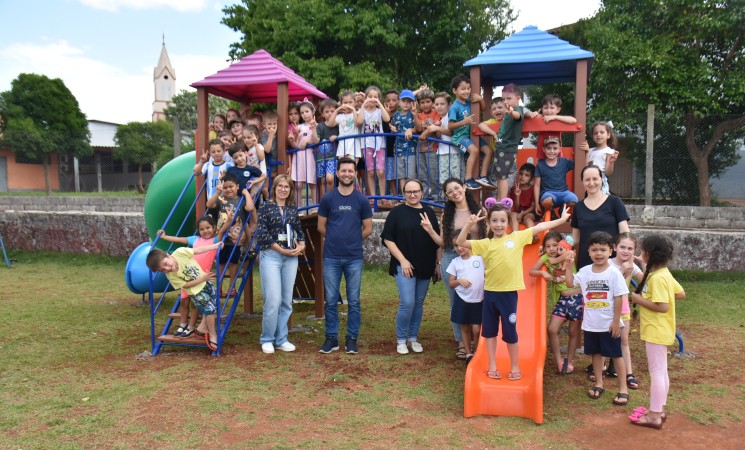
[[447, 257], [333, 269], [411, 294], [277, 283], [560, 197]]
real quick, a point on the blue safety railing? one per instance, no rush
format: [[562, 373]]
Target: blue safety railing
[[425, 160], [5, 254], [245, 266]]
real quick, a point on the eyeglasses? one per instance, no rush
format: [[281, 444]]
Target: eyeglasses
[[453, 190], [284, 187], [413, 192]]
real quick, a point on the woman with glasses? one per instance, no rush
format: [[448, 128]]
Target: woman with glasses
[[412, 235], [458, 208], [280, 239]]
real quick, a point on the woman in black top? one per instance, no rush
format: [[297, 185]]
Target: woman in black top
[[278, 262], [597, 212], [412, 235]]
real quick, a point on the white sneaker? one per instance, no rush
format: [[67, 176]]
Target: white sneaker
[[402, 349], [267, 347], [287, 347], [416, 347]]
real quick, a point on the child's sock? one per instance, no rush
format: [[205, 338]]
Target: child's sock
[[183, 325]]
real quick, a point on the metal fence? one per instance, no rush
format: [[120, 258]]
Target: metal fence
[[675, 175]]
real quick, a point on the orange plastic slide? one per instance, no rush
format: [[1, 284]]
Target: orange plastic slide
[[523, 398]]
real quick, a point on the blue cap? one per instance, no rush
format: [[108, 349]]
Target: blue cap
[[406, 93]]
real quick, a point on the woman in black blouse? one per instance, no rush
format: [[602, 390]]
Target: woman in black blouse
[[597, 212], [280, 239], [412, 235]]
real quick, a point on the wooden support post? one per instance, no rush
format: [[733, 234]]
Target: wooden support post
[[488, 94], [201, 141], [580, 113], [649, 163], [248, 293], [476, 111], [320, 292], [283, 103]]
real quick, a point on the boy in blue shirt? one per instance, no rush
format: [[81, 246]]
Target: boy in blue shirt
[[550, 182], [459, 122], [242, 171], [405, 121]]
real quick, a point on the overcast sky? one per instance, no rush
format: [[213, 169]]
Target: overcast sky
[[105, 50]]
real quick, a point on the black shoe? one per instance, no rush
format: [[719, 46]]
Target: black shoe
[[179, 331], [329, 345], [187, 333], [611, 370], [351, 345]]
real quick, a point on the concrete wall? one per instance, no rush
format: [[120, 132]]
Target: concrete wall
[[106, 233], [691, 217], [710, 239], [61, 204]]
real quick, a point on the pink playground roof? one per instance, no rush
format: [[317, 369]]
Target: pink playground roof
[[254, 79]]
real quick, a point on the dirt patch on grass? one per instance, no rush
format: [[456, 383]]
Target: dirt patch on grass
[[613, 429]]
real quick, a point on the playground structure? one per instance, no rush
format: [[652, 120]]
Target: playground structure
[[528, 57]]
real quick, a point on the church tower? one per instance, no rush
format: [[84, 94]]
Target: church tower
[[164, 79]]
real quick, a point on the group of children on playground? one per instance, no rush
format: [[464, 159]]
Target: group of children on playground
[[595, 298]]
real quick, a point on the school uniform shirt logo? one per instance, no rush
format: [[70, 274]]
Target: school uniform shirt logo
[[477, 264], [509, 243]]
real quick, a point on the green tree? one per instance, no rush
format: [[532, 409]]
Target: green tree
[[184, 107], [397, 43], [42, 117], [143, 143], [684, 56]]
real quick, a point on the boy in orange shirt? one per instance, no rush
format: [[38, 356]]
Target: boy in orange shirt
[[427, 171]]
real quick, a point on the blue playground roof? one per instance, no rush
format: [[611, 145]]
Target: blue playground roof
[[529, 57]]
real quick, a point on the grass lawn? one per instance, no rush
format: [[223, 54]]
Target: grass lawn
[[71, 378]]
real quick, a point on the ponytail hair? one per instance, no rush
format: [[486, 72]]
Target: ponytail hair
[[659, 250]]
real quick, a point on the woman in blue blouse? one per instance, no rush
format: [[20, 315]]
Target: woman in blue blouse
[[278, 262]]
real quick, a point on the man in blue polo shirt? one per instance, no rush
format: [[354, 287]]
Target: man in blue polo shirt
[[344, 219]]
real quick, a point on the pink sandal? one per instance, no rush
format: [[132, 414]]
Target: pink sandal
[[514, 376], [493, 374]]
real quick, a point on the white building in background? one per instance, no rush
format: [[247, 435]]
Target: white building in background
[[164, 81]]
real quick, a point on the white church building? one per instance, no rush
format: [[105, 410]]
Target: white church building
[[101, 171]]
